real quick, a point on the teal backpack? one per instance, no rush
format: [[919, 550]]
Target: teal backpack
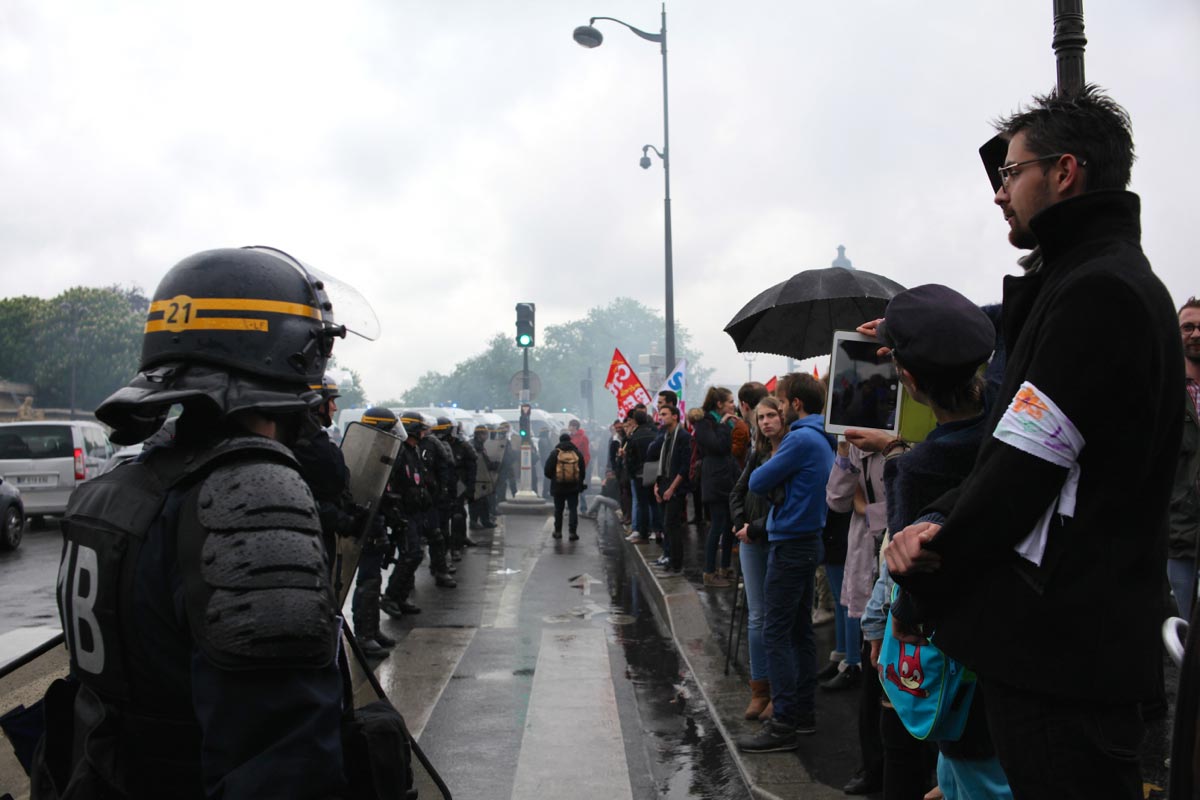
[[930, 691]]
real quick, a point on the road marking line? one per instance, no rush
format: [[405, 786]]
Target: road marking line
[[572, 746], [416, 673]]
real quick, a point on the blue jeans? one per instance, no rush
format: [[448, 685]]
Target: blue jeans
[[720, 530], [753, 556], [835, 573], [1181, 572], [847, 629], [642, 498], [787, 626], [972, 779]]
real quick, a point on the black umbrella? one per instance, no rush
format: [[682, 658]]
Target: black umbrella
[[797, 318]]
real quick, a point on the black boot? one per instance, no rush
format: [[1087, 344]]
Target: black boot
[[444, 580]]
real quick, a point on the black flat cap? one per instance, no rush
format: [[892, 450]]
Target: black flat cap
[[933, 328]]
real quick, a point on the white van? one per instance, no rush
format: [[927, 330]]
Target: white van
[[47, 459]]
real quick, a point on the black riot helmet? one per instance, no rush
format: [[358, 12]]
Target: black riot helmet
[[252, 309], [379, 417], [413, 422], [232, 330], [443, 427], [327, 388]]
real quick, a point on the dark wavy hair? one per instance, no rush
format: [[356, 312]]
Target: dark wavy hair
[[1087, 124]]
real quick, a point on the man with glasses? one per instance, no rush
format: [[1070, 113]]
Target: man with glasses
[[1185, 498], [1043, 570]]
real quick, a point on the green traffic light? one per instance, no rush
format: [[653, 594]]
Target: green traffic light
[[524, 340]]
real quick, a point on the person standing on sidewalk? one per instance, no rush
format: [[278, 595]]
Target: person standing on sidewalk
[[713, 433], [671, 487], [749, 512], [564, 474], [799, 469]]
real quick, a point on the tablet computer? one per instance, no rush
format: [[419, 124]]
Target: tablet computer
[[864, 389]]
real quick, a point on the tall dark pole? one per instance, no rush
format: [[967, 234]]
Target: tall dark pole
[[1068, 44], [666, 159]]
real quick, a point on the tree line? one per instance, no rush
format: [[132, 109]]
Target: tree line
[[561, 358]]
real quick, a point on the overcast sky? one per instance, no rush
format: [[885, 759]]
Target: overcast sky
[[453, 158]]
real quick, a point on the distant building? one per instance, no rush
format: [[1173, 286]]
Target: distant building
[[841, 260]]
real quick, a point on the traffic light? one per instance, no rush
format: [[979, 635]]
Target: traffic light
[[524, 425], [525, 324]]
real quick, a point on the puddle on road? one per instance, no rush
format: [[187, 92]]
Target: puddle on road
[[688, 756]]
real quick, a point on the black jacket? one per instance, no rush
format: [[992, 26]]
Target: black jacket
[[681, 457], [718, 470], [551, 468], [1095, 307], [746, 507]]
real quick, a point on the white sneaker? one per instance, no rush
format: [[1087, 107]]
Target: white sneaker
[[634, 537]]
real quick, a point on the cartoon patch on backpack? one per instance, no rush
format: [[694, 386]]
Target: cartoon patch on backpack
[[910, 676]]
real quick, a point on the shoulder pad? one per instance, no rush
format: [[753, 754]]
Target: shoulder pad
[[255, 572]]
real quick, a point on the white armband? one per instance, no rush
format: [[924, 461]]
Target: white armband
[[1035, 425]]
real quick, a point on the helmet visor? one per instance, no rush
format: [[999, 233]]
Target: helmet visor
[[350, 308]]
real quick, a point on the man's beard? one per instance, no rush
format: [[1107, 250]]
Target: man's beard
[[1194, 358]]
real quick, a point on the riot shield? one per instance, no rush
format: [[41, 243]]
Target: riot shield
[[369, 453]]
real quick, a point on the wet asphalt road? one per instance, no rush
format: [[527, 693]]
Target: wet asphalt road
[[514, 715], [28, 613]]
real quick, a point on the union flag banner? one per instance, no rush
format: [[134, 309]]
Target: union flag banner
[[623, 382], [676, 382]]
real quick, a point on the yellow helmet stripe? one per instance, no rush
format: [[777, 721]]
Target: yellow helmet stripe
[[236, 304], [181, 313], [375, 420], [208, 324]]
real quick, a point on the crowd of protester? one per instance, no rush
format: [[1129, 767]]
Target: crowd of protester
[[1000, 548]]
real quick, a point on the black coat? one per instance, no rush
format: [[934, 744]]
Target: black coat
[[1085, 623], [718, 470], [551, 469]]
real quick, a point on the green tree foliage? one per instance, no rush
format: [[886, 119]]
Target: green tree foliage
[[562, 360], [18, 328], [94, 334]]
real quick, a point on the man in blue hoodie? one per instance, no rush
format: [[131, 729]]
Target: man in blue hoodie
[[794, 479]]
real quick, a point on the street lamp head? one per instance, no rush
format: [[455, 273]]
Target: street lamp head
[[588, 36], [645, 161]]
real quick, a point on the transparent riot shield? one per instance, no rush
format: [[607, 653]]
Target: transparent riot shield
[[369, 453]]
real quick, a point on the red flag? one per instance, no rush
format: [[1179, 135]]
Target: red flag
[[771, 384], [816, 374], [623, 382]]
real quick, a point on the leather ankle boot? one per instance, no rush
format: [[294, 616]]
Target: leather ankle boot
[[760, 696]]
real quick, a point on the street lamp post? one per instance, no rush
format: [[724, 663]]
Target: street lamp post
[[588, 36]]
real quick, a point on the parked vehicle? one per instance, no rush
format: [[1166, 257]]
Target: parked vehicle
[[12, 516], [46, 460]]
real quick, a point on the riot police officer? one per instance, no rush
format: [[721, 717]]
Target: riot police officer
[[324, 469], [463, 487], [485, 478], [376, 546], [406, 508], [437, 457], [194, 589]]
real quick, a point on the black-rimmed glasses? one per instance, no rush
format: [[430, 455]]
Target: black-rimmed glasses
[[1009, 171]]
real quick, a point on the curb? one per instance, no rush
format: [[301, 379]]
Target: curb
[[677, 605]]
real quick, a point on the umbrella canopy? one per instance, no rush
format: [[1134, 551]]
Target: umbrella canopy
[[797, 318]]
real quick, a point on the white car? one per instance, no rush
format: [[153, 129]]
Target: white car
[[47, 459]]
